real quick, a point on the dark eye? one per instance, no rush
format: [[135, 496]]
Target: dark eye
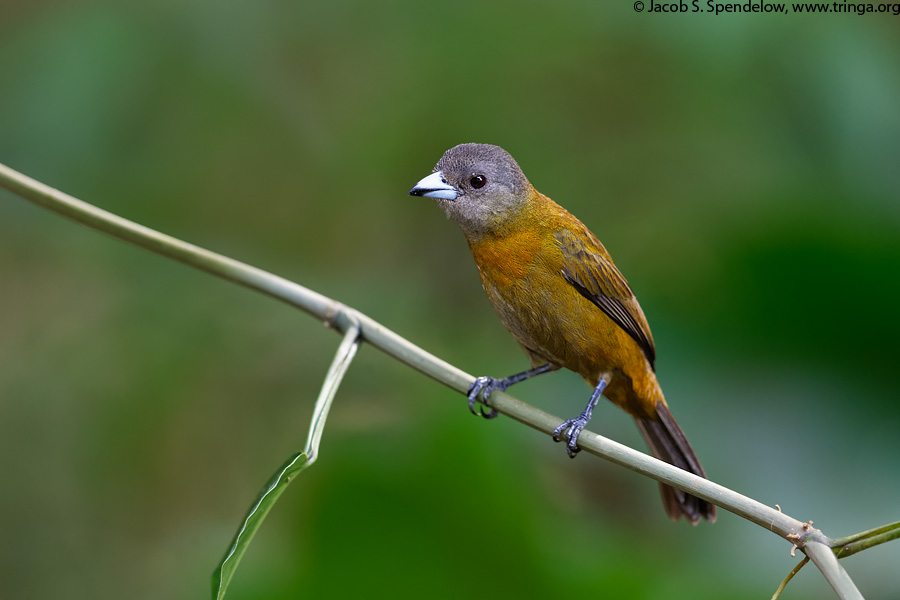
[[477, 181]]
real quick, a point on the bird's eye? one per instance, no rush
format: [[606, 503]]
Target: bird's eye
[[477, 181]]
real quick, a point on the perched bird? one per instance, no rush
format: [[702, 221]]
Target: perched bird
[[560, 295]]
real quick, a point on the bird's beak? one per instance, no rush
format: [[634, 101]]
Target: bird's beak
[[435, 186]]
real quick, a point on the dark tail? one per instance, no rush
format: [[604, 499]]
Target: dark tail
[[667, 443]]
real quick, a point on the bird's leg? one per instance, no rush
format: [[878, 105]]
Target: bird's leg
[[488, 385], [578, 423]]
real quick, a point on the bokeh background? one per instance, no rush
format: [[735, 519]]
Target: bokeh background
[[744, 171]]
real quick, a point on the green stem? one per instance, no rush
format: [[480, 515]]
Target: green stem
[[790, 576], [834, 573], [865, 534], [342, 318], [851, 548]]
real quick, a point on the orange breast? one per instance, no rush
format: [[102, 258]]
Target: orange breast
[[507, 260]]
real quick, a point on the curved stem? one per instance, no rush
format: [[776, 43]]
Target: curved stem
[[866, 541], [790, 576], [344, 318], [339, 365], [834, 573]]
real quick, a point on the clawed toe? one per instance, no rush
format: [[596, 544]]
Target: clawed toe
[[572, 428], [489, 414], [562, 427], [485, 386]]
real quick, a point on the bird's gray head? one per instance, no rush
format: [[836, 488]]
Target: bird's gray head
[[478, 185]]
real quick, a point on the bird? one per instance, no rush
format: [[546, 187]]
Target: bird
[[558, 292]]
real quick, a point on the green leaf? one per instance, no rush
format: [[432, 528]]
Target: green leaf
[[255, 516], [299, 461]]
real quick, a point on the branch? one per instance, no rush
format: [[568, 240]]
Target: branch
[[850, 545], [344, 318], [790, 576], [823, 557]]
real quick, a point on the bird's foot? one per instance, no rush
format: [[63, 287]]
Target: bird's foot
[[574, 427], [485, 386]]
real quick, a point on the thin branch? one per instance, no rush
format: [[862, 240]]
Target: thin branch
[[342, 317], [866, 534], [330, 312], [790, 576], [339, 365], [834, 573], [874, 539]]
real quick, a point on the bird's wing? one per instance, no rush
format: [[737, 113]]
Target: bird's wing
[[588, 267]]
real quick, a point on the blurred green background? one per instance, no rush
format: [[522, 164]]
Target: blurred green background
[[743, 171]]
